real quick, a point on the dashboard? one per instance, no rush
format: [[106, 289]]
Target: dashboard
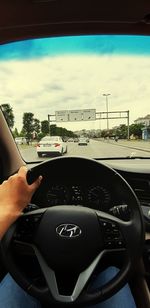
[[97, 196], [137, 173], [100, 195]]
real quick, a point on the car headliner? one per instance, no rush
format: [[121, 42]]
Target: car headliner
[[21, 19]]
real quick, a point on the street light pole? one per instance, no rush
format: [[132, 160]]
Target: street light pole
[[106, 95], [49, 124]]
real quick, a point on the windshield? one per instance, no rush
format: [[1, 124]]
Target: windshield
[[90, 87]]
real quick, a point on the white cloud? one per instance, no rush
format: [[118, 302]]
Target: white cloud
[[43, 86]]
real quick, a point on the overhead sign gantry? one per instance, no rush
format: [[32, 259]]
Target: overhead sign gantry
[[75, 115], [88, 115]]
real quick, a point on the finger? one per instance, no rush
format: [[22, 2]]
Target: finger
[[36, 183], [23, 171], [4, 182]]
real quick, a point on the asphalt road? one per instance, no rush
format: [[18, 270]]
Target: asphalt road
[[95, 149]]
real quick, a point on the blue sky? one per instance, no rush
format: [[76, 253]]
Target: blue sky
[[96, 44]]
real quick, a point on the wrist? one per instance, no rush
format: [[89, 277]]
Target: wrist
[[7, 218]]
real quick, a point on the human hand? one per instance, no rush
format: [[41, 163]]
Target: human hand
[[15, 194]]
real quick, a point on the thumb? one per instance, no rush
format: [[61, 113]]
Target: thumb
[[36, 183]]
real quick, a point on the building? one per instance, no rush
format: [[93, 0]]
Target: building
[[143, 120], [146, 133], [146, 129]]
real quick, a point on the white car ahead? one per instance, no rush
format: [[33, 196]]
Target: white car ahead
[[20, 140], [51, 145], [82, 141]]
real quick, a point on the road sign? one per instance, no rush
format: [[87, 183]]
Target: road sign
[[61, 116], [89, 114], [75, 115]]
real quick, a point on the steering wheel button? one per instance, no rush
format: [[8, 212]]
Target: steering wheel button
[[36, 219], [120, 243], [109, 237], [104, 224], [110, 244], [116, 232], [113, 225], [27, 219], [108, 230]]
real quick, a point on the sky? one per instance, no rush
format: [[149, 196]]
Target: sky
[[72, 73]]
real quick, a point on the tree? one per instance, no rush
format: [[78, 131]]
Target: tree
[[104, 133], [15, 133], [8, 113], [45, 127], [61, 131], [28, 124], [136, 130], [53, 130], [36, 126], [22, 133], [121, 131]]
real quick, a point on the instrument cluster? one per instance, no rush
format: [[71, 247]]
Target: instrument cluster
[[93, 196]]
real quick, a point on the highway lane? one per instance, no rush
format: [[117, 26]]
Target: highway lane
[[94, 149]]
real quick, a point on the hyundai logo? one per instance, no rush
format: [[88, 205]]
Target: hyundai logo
[[68, 230]]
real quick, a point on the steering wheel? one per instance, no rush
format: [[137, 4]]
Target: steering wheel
[[70, 242]]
